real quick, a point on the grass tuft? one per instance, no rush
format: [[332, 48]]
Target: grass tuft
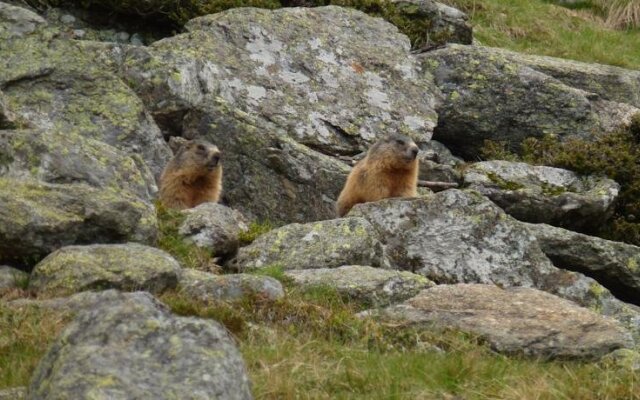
[[188, 254]]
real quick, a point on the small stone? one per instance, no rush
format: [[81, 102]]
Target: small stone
[[137, 40], [79, 33], [122, 37], [67, 19]]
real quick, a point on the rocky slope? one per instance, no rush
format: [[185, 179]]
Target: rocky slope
[[289, 95]]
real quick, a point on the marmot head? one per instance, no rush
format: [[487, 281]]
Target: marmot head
[[198, 154], [394, 150]]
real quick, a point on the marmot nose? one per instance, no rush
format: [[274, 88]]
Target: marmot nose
[[213, 162], [414, 151]]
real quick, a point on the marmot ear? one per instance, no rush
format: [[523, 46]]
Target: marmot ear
[[177, 143]]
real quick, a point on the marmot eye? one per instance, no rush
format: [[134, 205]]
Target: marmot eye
[[400, 142], [201, 148]]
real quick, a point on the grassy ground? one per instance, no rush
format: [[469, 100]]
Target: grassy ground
[[541, 27], [311, 346]]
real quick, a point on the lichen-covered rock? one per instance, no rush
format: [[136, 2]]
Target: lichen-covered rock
[[11, 277], [214, 227], [456, 236], [8, 119], [279, 91], [514, 320], [17, 22], [37, 218], [82, 97], [609, 82], [544, 194], [374, 286], [488, 96], [443, 24], [135, 348], [323, 244], [438, 164], [61, 157], [613, 264], [126, 267], [16, 393], [462, 237], [204, 286]]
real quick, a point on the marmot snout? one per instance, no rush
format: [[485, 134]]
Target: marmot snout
[[390, 169], [193, 176]]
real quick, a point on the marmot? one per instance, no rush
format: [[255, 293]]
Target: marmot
[[193, 176], [390, 169]]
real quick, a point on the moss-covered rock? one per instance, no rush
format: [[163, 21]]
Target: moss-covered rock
[[544, 194], [323, 244], [37, 218], [368, 285], [66, 157], [126, 267], [83, 97], [514, 320], [490, 95], [133, 347], [208, 287]]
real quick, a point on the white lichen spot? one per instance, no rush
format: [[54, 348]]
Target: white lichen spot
[[414, 123], [408, 71], [315, 43], [328, 57], [313, 97], [207, 76], [263, 49], [293, 77], [378, 99], [256, 93]]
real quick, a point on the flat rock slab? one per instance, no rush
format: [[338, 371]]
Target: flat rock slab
[[515, 320], [135, 348], [615, 265], [542, 194], [204, 286], [121, 266], [323, 244], [373, 286]]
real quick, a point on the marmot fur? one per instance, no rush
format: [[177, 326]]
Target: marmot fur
[[193, 176], [390, 169]]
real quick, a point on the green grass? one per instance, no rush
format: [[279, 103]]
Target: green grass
[[310, 345], [25, 335], [188, 254], [256, 229], [540, 27]]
